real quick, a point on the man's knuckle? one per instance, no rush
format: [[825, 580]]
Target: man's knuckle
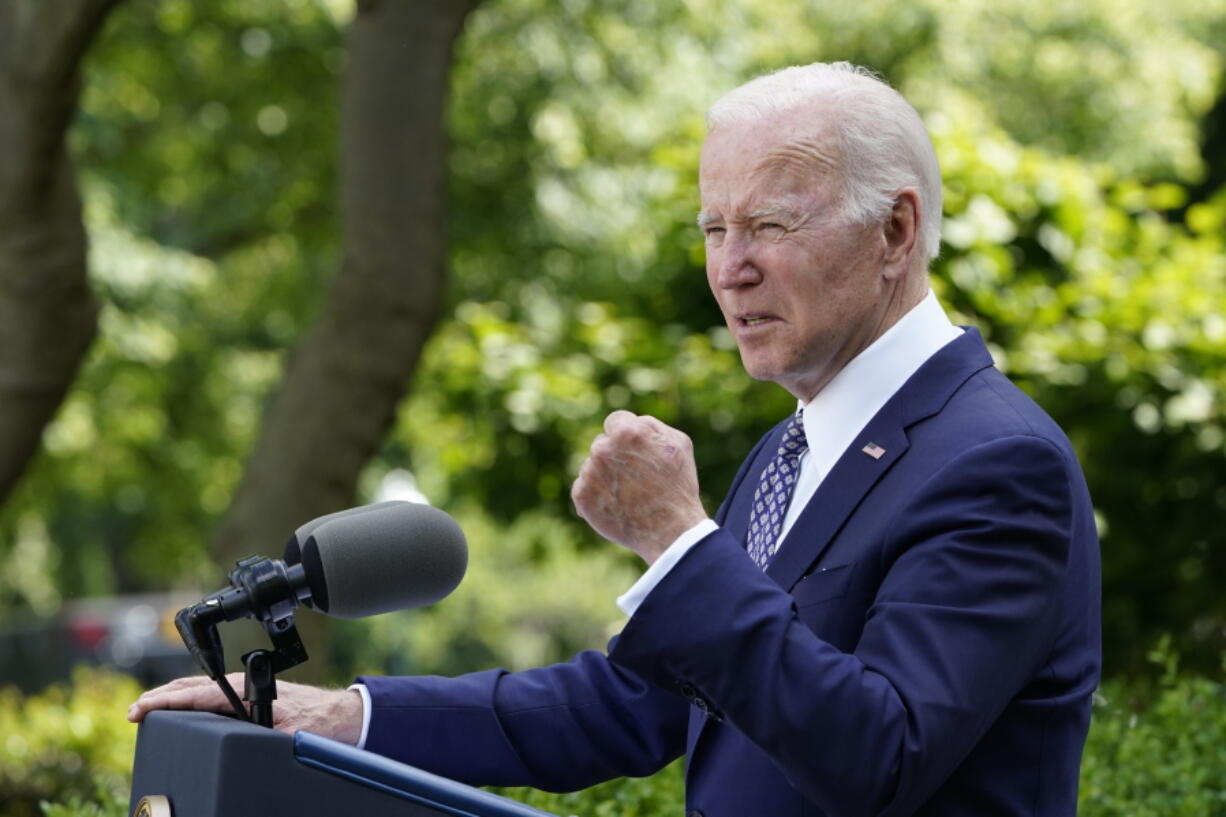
[[634, 432]]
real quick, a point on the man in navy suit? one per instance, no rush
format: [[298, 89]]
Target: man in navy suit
[[895, 610]]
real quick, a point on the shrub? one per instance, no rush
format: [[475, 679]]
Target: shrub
[[1166, 758], [106, 803], [661, 794], [66, 743]]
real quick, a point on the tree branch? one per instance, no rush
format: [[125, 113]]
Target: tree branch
[[42, 43], [48, 314], [67, 28], [348, 372]]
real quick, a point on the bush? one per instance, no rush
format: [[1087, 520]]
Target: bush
[[1163, 759], [68, 743], [106, 803], [661, 794]]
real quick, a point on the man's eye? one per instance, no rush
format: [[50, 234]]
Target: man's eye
[[714, 232], [770, 226]]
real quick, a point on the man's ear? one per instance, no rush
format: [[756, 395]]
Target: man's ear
[[901, 232]]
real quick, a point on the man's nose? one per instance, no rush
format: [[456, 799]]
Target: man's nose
[[735, 264]]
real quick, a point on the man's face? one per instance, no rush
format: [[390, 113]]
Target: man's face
[[799, 285]]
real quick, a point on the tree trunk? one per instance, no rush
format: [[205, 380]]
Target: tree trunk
[[346, 375], [48, 313]]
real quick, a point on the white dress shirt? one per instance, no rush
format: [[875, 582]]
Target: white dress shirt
[[832, 420]]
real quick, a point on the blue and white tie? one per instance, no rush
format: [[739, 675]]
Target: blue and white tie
[[770, 500]]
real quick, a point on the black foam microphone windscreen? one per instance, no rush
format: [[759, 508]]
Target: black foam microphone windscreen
[[385, 557], [293, 548]]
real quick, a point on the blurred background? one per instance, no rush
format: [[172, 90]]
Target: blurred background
[[266, 259]]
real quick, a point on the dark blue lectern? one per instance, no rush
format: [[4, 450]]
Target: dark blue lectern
[[196, 764]]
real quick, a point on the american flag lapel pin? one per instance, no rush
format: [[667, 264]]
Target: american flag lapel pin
[[873, 450]]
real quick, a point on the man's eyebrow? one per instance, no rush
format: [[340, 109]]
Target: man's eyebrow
[[769, 212], [772, 211], [706, 219]]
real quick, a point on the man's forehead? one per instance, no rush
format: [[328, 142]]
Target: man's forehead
[[771, 150], [805, 155], [765, 166], [798, 133]]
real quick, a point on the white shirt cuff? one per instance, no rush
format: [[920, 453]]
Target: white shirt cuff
[[632, 598], [365, 693]]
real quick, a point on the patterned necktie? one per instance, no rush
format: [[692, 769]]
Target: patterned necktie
[[770, 501]]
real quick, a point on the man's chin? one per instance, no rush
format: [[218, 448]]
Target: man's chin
[[763, 372], [757, 369]]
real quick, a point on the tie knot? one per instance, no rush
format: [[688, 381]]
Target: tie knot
[[794, 442]]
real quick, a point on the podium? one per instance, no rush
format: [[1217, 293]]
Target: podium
[[206, 765]]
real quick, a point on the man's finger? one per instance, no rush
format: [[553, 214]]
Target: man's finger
[[618, 419], [193, 692], [191, 698], [598, 442]]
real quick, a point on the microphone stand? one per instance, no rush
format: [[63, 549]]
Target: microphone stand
[[261, 668], [258, 589]]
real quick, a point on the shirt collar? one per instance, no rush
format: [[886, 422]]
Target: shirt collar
[[834, 417]]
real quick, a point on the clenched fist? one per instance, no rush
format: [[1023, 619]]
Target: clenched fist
[[639, 485]]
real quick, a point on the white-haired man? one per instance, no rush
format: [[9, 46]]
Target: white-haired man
[[895, 609]]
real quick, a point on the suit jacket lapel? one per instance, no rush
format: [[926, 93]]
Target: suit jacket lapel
[[848, 482], [875, 449], [852, 477]]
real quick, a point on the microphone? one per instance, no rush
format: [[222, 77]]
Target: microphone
[[357, 563], [350, 564], [304, 531]]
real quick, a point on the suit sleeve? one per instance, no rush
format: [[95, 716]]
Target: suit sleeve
[[557, 728], [963, 617]]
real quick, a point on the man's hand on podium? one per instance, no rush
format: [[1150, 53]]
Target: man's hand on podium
[[333, 713]]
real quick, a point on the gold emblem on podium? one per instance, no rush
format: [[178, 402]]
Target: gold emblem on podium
[[153, 805]]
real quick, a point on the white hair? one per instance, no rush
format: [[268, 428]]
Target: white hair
[[883, 143]]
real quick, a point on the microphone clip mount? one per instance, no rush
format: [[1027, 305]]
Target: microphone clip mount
[[260, 588]]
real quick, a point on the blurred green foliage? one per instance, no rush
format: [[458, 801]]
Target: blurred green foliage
[[1163, 757], [104, 804], [661, 794], [70, 741]]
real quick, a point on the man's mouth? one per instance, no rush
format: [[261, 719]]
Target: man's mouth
[[754, 320]]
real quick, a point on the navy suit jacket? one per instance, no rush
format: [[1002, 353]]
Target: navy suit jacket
[[925, 641]]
